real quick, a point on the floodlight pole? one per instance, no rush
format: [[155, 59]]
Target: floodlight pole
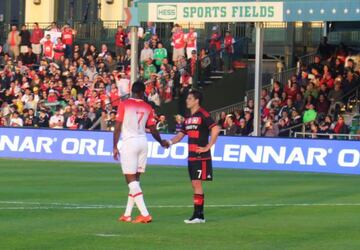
[[259, 44], [134, 54]]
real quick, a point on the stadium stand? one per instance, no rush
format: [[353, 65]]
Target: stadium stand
[[51, 81]]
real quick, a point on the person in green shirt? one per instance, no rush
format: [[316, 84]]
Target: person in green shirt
[[159, 54], [149, 69], [162, 125], [310, 114], [311, 90]]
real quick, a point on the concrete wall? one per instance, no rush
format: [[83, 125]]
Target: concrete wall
[[114, 11], [40, 13]]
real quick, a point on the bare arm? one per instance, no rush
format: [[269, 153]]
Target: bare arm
[[117, 133], [177, 138], [155, 134]]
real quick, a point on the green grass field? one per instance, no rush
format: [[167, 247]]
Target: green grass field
[[67, 205]]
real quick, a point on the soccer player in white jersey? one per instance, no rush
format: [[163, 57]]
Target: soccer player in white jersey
[[133, 117]]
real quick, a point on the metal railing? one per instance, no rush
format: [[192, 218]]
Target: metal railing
[[329, 136], [215, 114], [282, 77], [293, 129]]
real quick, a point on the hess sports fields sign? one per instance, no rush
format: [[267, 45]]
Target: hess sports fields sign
[[229, 152], [216, 12]]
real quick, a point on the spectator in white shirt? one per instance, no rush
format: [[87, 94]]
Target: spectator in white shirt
[[15, 120], [191, 42], [57, 120], [123, 85], [25, 98], [154, 98], [146, 53]]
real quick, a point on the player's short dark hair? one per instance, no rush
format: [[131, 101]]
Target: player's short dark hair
[[138, 87], [197, 95]]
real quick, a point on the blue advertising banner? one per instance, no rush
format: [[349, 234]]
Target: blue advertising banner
[[328, 156]]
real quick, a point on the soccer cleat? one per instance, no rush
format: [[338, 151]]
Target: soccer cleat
[[195, 220], [142, 219], [124, 218]]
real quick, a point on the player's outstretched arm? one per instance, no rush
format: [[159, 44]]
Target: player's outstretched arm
[[176, 139], [156, 135], [213, 137], [117, 133]]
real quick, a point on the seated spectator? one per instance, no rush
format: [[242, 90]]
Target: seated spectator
[[231, 127], [310, 114], [57, 120], [317, 65], [123, 86], [162, 125], [222, 119], [110, 124], [242, 129], [283, 132], [314, 129], [149, 69], [146, 54], [179, 123], [160, 53], [16, 120], [341, 127], [322, 106], [335, 98], [249, 127], [270, 129], [327, 126], [43, 120], [311, 90], [154, 97], [29, 58]]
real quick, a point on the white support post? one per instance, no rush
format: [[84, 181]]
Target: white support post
[[325, 29], [134, 54], [258, 76]]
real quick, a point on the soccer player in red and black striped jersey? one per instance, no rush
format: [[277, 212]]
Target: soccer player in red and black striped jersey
[[198, 126]]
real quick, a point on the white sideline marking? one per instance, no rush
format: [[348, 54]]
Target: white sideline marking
[[108, 235], [63, 206]]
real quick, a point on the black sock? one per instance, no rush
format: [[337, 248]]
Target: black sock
[[199, 206]]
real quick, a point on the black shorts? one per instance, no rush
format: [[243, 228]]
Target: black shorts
[[200, 170]]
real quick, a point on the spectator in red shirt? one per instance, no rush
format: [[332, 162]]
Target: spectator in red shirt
[[228, 51], [214, 48], [68, 39], [48, 47], [36, 36], [114, 96], [52, 97], [178, 40], [59, 49], [120, 44]]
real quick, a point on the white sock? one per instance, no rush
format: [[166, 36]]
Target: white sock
[[138, 197], [129, 205]]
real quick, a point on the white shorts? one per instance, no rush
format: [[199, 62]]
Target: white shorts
[[133, 155], [177, 53], [23, 49], [36, 48]]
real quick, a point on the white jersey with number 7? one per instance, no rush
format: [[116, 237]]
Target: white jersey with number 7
[[135, 115]]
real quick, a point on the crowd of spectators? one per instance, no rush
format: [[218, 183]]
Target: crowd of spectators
[[48, 80], [316, 97]]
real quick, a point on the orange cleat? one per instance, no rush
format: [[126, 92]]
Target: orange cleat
[[142, 219], [124, 218]]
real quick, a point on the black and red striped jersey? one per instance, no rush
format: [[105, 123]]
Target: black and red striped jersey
[[198, 127]]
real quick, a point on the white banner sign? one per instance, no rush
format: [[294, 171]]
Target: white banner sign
[[216, 12]]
